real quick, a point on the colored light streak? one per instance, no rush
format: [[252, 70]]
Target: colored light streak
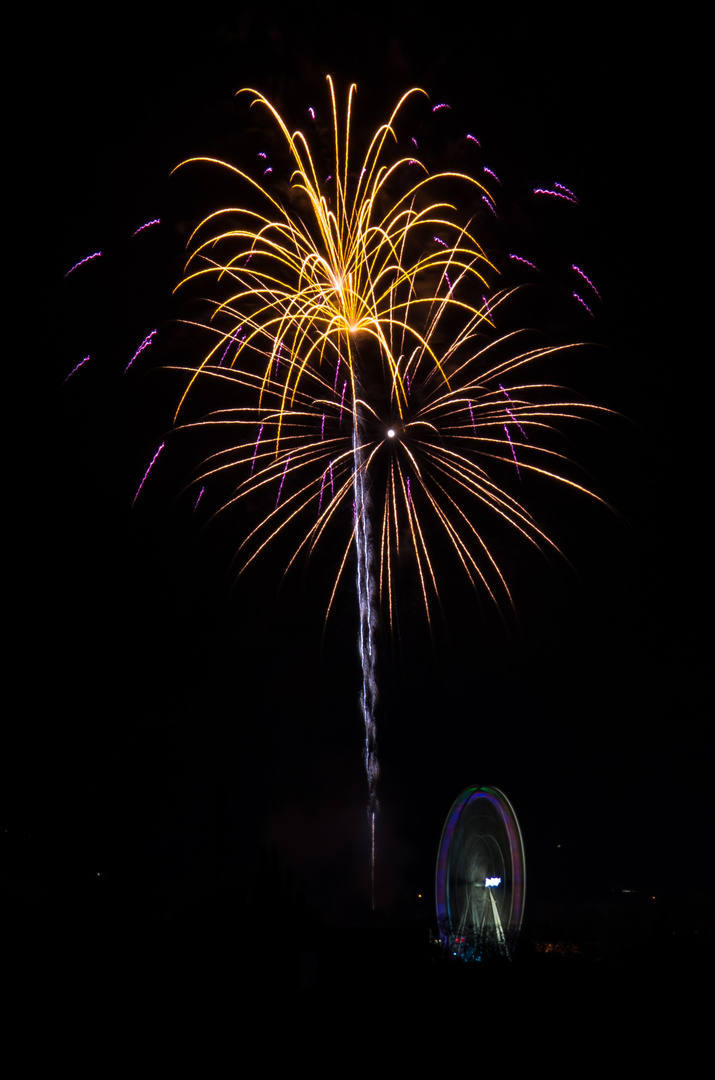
[[81, 262], [583, 304], [280, 489], [255, 450], [490, 204], [151, 465], [519, 258], [556, 194], [586, 279], [76, 368], [511, 414], [513, 451], [144, 345], [146, 225], [562, 187]]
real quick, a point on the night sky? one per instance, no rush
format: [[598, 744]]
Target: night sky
[[174, 735]]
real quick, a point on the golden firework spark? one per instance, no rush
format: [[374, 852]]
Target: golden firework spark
[[353, 322]]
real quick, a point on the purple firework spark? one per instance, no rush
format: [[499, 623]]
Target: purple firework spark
[[490, 204], [513, 451], [255, 450], [151, 463], [562, 187], [518, 258], [145, 344], [586, 279], [556, 194], [76, 368], [584, 304], [156, 221], [282, 480], [83, 261]]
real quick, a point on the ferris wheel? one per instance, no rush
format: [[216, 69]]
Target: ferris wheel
[[480, 878]]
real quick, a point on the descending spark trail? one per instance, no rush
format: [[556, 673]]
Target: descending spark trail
[[583, 304], [557, 194], [144, 345], [368, 363], [151, 465], [156, 221], [513, 451], [81, 262], [518, 258], [586, 279], [76, 368]]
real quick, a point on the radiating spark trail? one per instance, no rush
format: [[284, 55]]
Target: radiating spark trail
[[156, 221], [586, 279], [490, 204], [513, 451], [518, 258], [255, 451], [151, 464], [562, 187], [199, 498], [511, 414], [76, 368], [280, 489], [81, 262], [584, 304], [556, 194], [144, 345]]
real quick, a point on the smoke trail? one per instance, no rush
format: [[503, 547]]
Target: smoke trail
[[367, 600]]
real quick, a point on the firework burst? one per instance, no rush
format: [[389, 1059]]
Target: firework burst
[[361, 374]]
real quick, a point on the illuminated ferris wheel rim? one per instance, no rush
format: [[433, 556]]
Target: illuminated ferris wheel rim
[[510, 883]]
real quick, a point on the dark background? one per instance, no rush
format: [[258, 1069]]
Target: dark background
[[178, 749]]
